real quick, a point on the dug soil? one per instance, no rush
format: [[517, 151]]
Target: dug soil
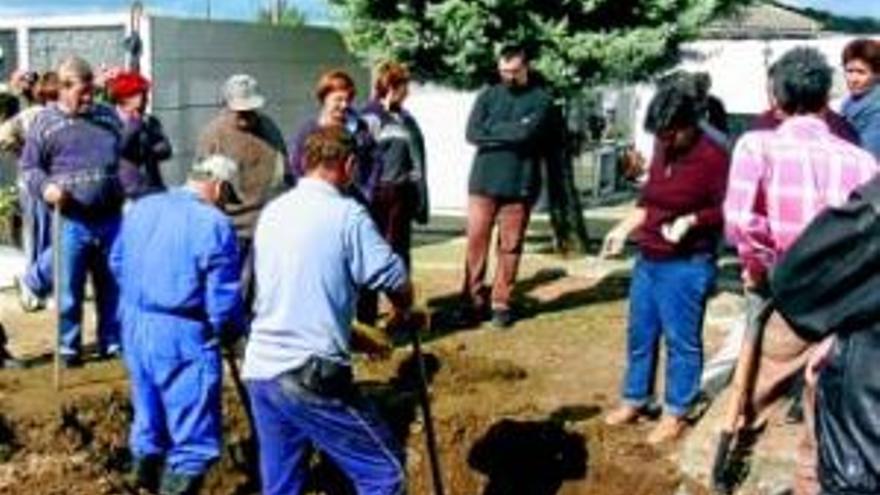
[[517, 412]]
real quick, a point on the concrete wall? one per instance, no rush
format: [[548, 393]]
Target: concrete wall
[[190, 59]]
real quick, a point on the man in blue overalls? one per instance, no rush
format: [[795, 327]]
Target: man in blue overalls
[[176, 260]]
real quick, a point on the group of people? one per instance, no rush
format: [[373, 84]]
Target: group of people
[[799, 158], [181, 273]]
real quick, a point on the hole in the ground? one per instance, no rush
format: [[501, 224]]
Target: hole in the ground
[[533, 457]]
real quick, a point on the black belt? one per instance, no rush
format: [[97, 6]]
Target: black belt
[[320, 378]]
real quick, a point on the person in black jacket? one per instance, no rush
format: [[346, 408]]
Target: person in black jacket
[[507, 125]]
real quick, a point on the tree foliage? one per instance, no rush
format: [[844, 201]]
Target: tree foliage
[[576, 43]]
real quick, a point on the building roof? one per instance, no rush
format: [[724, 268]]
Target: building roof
[[763, 20]]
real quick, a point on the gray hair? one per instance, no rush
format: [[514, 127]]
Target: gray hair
[[74, 68]]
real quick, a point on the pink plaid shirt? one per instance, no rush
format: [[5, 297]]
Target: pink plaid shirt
[[780, 179]]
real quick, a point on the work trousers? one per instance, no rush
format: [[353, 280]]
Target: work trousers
[[176, 382], [288, 422], [392, 208], [512, 217]]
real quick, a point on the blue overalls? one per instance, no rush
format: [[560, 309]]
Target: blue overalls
[[177, 264]]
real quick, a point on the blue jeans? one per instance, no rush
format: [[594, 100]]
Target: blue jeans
[[176, 383], [37, 243], [669, 298], [85, 248], [349, 432]]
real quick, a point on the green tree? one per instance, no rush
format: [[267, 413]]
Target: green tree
[[287, 14], [576, 44]]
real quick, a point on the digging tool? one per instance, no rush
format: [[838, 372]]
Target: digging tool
[[425, 402], [56, 283], [376, 339], [241, 390], [758, 311]]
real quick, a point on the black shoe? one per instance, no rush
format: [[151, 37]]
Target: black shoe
[[502, 318], [146, 472], [180, 484], [468, 317], [71, 361]]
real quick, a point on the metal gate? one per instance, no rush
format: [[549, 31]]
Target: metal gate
[[101, 46]]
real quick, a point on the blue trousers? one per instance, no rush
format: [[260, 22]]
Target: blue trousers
[[85, 248], [37, 243], [349, 432], [176, 385], [667, 298]]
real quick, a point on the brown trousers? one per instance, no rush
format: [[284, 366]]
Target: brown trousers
[[512, 217], [392, 210]]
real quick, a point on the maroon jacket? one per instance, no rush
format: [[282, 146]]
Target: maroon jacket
[[694, 182]]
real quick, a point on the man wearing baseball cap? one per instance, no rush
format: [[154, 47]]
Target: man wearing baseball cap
[[179, 300], [144, 144], [251, 139]]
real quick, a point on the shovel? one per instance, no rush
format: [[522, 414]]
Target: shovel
[[758, 311]]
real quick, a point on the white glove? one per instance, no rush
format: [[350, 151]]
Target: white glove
[[675, 231], [614, 243]]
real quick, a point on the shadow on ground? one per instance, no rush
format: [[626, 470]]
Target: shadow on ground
[[447, 309]]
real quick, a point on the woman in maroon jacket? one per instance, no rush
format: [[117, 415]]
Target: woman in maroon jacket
[[677, 225]]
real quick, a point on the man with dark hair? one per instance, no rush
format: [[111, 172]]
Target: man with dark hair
[[773, 116], [508, 124], [298, 357], [780, 179], [179, 299], [71, 160]]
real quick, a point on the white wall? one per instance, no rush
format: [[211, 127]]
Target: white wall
[[442, 114], [739, 73]]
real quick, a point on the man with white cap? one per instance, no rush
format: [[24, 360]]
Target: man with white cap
[[251, 139], [176, 260]]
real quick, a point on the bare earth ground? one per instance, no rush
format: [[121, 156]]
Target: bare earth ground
[[517, 412]]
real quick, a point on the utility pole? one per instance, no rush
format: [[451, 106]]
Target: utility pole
[[208, 9]]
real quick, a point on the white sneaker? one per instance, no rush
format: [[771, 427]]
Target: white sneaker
[[29, 301]]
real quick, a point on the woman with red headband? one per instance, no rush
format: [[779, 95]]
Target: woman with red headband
[[144, 143]]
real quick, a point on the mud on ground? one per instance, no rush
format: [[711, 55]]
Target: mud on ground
[[516, 412]]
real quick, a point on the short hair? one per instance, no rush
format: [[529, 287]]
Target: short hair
[[334, 80], [327, 147], [512, 50], [800, 81], [389, 75], [865, 50], [674, 106], [46, 88], [74, 69]]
